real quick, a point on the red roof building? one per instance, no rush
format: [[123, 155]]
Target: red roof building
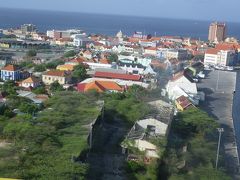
[[109, 75]]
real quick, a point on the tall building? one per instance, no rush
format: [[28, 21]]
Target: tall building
[[217, 32], [28, 28]]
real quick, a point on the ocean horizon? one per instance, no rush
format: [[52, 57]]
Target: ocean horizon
[[110, 24]]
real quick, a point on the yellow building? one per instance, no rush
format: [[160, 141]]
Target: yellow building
[[182, 103], [65, 67], [55, 75]]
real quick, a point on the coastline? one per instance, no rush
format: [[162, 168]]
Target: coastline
[[110, 24]]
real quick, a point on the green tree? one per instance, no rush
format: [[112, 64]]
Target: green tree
[[39, 90], [70, 53], [29, 108], [79, 73], [40, 68], [54, 64], [113, 57], [55, 86], [9, 87], [31, 53]]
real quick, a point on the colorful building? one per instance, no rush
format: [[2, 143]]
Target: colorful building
[[10, 72]]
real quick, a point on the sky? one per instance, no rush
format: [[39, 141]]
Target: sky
[[214, 10]]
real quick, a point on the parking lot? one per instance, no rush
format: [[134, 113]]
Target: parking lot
[[219, 87]]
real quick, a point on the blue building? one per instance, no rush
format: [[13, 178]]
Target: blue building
[[10, 72]]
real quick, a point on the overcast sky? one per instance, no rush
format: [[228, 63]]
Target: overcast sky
[[220, 10]]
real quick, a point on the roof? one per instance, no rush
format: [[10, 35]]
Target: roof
[[184, 102], [104, 61], [100, 86], [160, 127], [118, 76], [131, 64], [31, 79], [78, 60], [212, 51], [10, 67], [69, 67], [55, 73], [151, 48], [225, 46]]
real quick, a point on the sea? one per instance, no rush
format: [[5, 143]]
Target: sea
[[110, 24]]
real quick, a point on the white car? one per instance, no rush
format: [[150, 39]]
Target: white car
[[230, 68], [201, 75]]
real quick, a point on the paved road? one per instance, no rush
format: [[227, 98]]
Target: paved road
[[219, 87], [236, 111]]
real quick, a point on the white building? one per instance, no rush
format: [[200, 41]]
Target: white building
[[132, 68], [81, 41], [181, 85], [219, 57], [166, 53]]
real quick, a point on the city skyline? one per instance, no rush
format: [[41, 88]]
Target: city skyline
[[176, 9]]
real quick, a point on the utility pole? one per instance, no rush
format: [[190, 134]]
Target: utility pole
[[220, 131]]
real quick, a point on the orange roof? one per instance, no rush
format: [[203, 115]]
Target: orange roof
[[78, 60], [102, 86], [151, 48], [212, 51], [225, 46], [104, 61], [133, 40], [10, 67], [31, 79], [55, 73]]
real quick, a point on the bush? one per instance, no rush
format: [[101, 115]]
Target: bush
[[31, 53], [40, 68], [71, 53]]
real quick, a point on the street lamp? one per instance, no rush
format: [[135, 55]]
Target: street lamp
[[220, 131]]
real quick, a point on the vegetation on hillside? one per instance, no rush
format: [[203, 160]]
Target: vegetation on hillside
[[191, 151]]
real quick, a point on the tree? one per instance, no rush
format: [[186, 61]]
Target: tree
[[54, 64], [113, 57], [40, 68], [39, 90], [29, 108], [79, 73], [70, 53], [55, 86], [31, 53], [9, 87]]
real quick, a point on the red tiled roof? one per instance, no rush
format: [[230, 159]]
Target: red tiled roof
[[81, 87], [100, 86], [10, 67], [212, 51], [117, 76], [31, 79], [104, 61], [225, 46], [184, 102], [151, 48], [55, 73]]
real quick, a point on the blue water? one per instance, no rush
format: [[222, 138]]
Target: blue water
[[109, 24]]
